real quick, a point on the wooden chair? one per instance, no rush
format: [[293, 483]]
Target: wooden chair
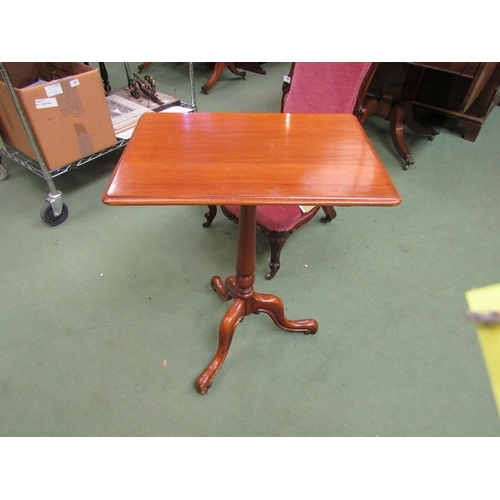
[[311, 88]]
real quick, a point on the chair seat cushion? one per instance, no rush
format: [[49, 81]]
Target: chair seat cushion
[[275, 217]]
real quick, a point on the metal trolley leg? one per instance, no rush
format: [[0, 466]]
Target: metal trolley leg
[[53, 211], [192, 86]]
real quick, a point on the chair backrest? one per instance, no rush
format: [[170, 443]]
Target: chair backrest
[[328, 87]]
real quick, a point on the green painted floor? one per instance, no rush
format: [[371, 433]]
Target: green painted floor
[[91, 309]]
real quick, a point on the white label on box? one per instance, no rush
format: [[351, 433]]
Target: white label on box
[[74, 83], [52, 90], [46, 103]]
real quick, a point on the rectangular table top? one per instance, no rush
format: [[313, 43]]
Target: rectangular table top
[[250, 159]]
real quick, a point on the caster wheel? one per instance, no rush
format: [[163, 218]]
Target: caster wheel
[[3, 173], [47, 214], [409, 161], [271, 274]]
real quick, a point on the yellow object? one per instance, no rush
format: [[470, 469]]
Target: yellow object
[[487, 300]]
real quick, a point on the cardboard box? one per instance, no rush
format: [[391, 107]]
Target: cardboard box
[[68, 113]]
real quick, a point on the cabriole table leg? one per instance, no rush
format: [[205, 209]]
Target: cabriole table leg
[[245, 300]]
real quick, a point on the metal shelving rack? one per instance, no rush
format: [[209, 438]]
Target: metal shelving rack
[[54, 211]]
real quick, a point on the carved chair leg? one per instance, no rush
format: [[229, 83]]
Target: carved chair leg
[[210, 215], [330, 214], [277, 241]]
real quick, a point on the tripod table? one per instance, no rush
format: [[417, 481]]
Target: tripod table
[[249, 159]]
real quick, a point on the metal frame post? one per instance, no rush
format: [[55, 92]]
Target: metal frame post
[[55, 196]]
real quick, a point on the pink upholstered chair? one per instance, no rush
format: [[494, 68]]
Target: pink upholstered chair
[[312, 88]]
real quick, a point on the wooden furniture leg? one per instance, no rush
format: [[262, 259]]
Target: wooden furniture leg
[[396, 123], [400, 116], [330, 214], [105, 77], [210, 215], [245, 300], [251, 66], [394, 102], [143, 66], [218, 68]]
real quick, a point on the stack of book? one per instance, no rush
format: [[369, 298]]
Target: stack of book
[[125, 111]]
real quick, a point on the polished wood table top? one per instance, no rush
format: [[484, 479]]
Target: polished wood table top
[[250, 159]]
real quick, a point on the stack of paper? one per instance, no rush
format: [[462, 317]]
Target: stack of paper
[[124, 113]]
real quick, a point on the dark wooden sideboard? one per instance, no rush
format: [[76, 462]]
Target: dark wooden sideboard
[[462, 93]]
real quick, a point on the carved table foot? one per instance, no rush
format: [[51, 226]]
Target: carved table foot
[[218, 68], [232, 318]]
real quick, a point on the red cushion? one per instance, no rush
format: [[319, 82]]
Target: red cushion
[[275, 217], [325, 87]]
